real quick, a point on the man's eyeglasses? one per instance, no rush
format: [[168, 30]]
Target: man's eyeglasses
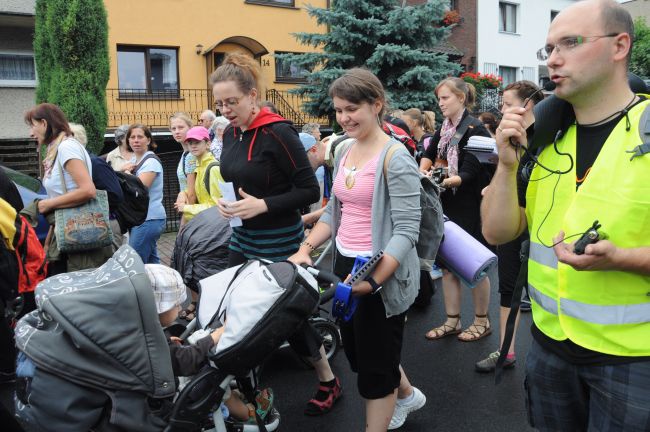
[[568, 43], [230, 102]]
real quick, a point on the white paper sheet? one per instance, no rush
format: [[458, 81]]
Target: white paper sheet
[[228, 193]]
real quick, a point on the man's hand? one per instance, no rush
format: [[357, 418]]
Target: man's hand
[[602, 255], [512, 126]]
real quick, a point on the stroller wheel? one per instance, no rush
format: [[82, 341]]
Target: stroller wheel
[[329, 332]]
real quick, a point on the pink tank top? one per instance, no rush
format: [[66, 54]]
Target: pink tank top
[[354, 189]]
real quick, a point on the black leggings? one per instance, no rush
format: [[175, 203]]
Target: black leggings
[[306, 341], [509, 266]]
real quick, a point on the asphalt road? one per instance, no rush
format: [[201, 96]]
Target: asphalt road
[[458, 399]]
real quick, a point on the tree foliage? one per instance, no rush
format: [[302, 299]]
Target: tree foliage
[[393, 40], [71, 53], [640, 63]]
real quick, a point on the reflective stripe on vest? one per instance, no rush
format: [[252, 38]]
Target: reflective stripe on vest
[[543, 255], [547, 303], [598, 314]]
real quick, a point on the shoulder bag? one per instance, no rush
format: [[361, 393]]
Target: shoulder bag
[[84, 227]]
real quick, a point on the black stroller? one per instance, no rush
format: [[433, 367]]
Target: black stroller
[[94, 357], [201, 250], [201, 247]]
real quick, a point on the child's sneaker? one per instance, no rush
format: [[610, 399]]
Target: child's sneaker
[[263, 405]]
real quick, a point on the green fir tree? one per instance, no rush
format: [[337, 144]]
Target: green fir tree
[[71, 53], [640, 63], [394, 40]]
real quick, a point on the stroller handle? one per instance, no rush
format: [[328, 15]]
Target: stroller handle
[[324, 276]]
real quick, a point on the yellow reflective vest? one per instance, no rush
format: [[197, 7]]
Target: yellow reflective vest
[[7, 223], [604, 311], [205, 198]]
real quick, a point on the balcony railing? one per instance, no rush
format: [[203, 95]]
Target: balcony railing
[[289, 106], [154, 109]]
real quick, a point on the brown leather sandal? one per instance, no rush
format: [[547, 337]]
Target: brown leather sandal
[[445, 329], [476, 331]]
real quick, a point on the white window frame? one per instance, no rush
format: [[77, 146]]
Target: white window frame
[[20, 83], [515, 69], [517, 7]]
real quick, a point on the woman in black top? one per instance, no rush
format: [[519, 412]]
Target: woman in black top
[[515, 94], [461, 199], [266, 162]]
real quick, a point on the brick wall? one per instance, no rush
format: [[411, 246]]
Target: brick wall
[[463, 36]]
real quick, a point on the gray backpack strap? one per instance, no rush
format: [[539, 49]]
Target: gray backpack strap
[[644, 133], [206, 179]]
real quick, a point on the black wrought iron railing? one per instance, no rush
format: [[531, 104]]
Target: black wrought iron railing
[[289, 106], [154, 108]]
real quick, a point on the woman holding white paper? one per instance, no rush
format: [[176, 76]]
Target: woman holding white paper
[[265, 160]]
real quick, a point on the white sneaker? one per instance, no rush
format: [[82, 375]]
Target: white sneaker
[[402, 410]]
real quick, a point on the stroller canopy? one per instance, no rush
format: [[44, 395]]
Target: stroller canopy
[[100, 328], [201, 248]]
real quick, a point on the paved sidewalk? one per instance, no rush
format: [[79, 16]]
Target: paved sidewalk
[[166, 246]]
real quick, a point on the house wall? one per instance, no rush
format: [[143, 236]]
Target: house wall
[[495, 48], [17, 6], [638, 8], [464, 35], [188, 23], [14, 101]]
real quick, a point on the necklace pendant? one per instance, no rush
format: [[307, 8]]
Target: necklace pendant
[[349, 181]]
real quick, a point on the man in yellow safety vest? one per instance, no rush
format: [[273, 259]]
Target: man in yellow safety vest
[[589, 364]]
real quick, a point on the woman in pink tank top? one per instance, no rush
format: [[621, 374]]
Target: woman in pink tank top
[[360, 218]]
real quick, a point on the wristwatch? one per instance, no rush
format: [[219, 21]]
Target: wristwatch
[[373, 283]]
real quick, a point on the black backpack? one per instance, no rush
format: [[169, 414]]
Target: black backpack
[[132, 211], [206, 179]]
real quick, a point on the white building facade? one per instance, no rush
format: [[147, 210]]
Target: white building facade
[[509, 34], [17, 69]]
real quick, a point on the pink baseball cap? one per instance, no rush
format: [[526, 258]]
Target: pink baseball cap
[[198, 133]]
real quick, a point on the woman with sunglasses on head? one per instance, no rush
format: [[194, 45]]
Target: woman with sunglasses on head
[[179, 124], [375, 206], [461, 199], [147, 167], [265, 160]]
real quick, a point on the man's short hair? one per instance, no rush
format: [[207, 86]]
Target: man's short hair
[[616, 19], [310, 127], [211, 115]]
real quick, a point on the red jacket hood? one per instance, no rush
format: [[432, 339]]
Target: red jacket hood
[[265, 117]]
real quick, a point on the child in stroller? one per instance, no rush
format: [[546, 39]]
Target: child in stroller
[[75, 375], [187, 360]]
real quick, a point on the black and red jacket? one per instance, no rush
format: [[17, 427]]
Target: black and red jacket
[[268, 161]]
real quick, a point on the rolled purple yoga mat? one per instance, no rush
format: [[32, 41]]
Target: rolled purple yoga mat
[[463, 255]]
